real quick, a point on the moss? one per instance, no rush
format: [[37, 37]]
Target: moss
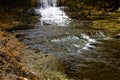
[[106, 24]]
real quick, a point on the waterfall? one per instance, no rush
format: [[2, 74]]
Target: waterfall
[[51, 14], [48, 3]]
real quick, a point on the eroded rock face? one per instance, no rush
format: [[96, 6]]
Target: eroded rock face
[[13, 14], [88, 4]]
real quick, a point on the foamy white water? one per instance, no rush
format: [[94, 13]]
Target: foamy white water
[[51, 14], [89, 41], [76, 44], [88, 38]]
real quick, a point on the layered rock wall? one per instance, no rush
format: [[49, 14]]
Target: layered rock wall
[[91, 4]]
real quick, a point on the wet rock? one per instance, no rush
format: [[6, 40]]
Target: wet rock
[[33, 12], [46, 63], [117, 35], [78, 15], [91, 4], [21, 27], [13, 14], [22, 78]]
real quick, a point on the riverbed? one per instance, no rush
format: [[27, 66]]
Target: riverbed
[[73, 53]]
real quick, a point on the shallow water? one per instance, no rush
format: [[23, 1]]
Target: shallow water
[[86, 54]]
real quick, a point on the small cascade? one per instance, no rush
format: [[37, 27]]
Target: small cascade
[[48, 3], [51, 14]]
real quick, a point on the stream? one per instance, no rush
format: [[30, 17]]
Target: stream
[[83, 53], [86, 54]]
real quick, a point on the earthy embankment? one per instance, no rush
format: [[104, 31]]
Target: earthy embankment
[[11, 67], [12, 16]]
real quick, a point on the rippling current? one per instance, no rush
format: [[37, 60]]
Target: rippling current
[[86, 53]]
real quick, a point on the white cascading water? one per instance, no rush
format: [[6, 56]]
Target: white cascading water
[[51, 14]]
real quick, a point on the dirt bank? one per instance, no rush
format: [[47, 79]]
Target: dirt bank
[[11, 67]]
